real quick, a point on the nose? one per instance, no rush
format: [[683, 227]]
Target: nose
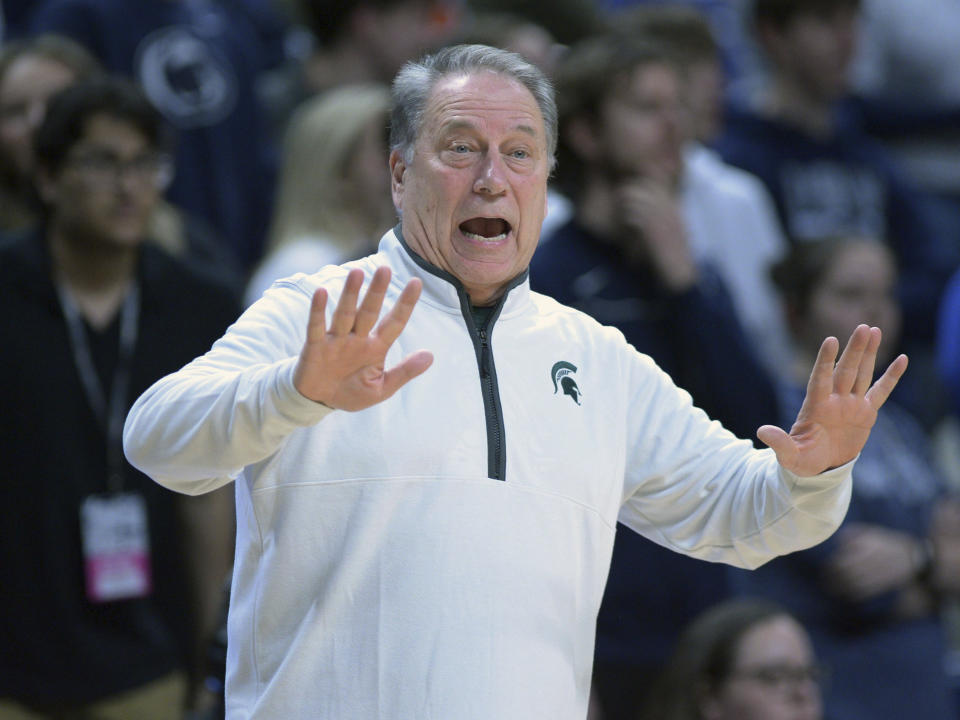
[[491, 175]]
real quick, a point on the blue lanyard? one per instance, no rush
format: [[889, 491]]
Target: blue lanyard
[[110, 412]]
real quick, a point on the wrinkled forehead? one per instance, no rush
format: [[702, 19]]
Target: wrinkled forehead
[[483, 96]]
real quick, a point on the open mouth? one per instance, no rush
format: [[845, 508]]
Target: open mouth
[[484, 229]]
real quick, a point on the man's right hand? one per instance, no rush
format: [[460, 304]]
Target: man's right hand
[[650, 209], [343, 366]]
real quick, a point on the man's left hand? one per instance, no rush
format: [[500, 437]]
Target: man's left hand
[[840, 407]]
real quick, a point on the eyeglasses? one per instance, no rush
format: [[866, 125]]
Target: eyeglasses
[[784, 677], [105, 168]]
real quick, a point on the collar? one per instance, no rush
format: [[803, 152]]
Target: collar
[[440, 288]]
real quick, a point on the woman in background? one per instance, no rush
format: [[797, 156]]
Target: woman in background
[[333, 201], [870, 595], [743, 659], [31, 72]]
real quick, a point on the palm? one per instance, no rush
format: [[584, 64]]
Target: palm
[[840, 407], [343, 366]]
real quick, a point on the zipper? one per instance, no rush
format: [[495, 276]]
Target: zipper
[[493, 414], [481, 338]]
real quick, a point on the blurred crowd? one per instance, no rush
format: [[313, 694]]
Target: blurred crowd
[[736, 180]]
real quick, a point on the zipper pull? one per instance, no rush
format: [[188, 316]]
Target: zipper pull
[[484, 354]]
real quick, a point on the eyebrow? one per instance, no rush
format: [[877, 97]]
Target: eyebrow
[[467, 125]]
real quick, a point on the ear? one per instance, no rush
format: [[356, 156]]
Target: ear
[[398, 169]]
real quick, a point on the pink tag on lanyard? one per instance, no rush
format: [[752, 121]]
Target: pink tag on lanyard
[[116, 547]]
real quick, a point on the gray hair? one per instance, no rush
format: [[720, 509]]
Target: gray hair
[[416, 80]]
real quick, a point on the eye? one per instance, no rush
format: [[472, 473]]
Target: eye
[[520, 154], [461, 148]]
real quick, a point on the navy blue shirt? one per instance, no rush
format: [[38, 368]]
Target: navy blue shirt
[[197, 61], [845, 185], [57, 646]]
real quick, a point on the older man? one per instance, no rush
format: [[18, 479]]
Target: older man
[[442, 553]]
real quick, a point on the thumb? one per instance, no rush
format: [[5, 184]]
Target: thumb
[[780, 442], [412, 366]]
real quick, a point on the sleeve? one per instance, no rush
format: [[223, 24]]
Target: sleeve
[[695, 488], [196, 429]]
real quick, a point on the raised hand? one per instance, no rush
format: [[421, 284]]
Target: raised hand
[[650, 210], [870, 560], [343, 366], [840, 407]]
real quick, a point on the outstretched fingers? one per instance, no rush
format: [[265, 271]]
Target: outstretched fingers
[[346, 311], [820, 384], [394, 321], [867, 363], [369, 309], [848, 366], [317, 321], [877, 395]]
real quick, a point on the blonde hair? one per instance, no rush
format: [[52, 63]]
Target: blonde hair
[[313, 198]]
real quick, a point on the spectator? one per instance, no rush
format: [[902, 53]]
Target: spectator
[[334, 193], [744, 659], [909, 94], [826, 178], [360, 42], [111, 584], [569, 21], [33, 69], [738, 56], [732, 224], [874, 589], [30, 72], [515, 33], [625, 259], [198, 63]]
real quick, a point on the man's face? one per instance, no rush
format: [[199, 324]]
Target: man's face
[[639, 130], [814, 51], [473, 196], [108, 186]]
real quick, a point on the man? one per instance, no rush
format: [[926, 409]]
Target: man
[[440, 551], [826, 178], [730, 219], [103, 612]]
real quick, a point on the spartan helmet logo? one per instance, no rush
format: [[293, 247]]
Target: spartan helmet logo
[[562, 373]]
